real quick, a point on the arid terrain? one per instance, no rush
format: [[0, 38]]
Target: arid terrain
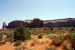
[[41, 45], [41, 39]]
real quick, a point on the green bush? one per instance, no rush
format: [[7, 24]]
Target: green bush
[[57, 39], [71, 37], [21, 34]]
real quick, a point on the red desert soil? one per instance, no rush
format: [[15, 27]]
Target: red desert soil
[[9, 46]]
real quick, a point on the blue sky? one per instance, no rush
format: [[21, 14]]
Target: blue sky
[[29, 9]]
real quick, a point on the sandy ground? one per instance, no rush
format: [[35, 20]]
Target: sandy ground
[[7, 46], [40, 46]]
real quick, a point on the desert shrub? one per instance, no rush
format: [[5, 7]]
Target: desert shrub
[[57, 40], [21, 33], [51, 28], [1, 37], [72, 29], [9, 37], [20, 48], [40, 36], [50, 36], [71, 37], [60, 28], [17, 43], [33, 42], [50, 48]]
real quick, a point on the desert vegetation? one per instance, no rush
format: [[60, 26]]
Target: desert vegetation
[[21, 38], [36, 35]]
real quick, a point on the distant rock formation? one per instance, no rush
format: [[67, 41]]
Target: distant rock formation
[[16, 23], [4, 25], [68, 22]]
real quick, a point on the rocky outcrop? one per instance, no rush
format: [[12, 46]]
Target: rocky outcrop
[[68, 22]]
